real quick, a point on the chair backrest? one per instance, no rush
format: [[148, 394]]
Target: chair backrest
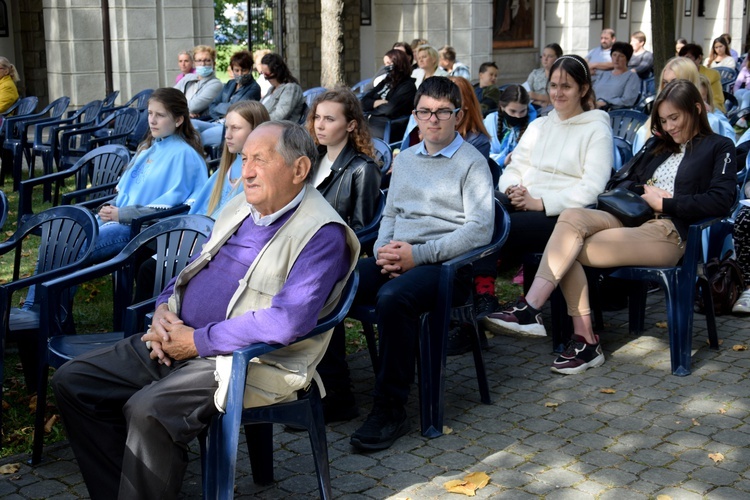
[[384, 157], [645, 105], [728, 76], [67, 235], [648, 87], [3, 208], [103, 165], [27, 106], [89, 112], [172, 241], [625, 151], [730, 102], [109, 100], [358, 88], [311, 94], [58, 106], [626, 122], [126, 121], [140, 100]]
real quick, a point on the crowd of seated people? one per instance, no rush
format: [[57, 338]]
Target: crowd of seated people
[[552, 168]]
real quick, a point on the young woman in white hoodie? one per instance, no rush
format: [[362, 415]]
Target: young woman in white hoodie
[[563, 160]]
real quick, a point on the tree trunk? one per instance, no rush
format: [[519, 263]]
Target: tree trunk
[[331, 43], [663, 33]]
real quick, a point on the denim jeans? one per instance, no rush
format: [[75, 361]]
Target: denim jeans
[[210, 132]]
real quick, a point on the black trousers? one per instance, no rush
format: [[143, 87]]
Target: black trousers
[[130, 419], [399, 302]]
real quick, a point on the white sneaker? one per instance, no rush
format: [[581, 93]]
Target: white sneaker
[[742, 305]]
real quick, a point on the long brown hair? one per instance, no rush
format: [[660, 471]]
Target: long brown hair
[[359, 138], [253, 113], [684, 96], [176, 105], [472, 119]]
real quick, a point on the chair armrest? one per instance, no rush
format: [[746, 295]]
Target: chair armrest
[[26, 189], [241, 357], [137, 224], [135, 316], [74, 195], [92, 204], [108, 139]]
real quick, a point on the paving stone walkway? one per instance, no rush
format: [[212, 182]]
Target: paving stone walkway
[[545, 435]]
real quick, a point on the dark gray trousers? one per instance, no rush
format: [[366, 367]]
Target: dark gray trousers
[[130, 419]]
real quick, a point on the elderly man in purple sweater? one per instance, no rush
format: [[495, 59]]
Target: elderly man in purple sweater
[[131, 410]]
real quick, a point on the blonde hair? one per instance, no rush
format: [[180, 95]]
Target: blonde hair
[[432, 52], [683, 69], [12, 72], [254, 113], [204, 48]]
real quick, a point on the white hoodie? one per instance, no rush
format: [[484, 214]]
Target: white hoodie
[[565, 163]]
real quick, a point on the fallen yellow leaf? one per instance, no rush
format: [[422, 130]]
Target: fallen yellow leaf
[[50, 423], [460, 486], [696, 423], [716, 457], [469, 484], [607, 390], [479, 478], [447, 430], [9, 468], [663, 497], [551, 405], [661, 324], [722, 411], [739, 347]]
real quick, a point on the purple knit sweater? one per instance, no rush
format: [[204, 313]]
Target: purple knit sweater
[[294, 310]]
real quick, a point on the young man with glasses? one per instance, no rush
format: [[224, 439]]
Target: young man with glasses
[[202, 87], [439, 206]]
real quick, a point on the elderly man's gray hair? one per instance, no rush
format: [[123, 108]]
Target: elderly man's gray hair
[[295, 142]]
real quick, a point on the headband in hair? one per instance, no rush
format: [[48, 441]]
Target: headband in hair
[[585, 70]]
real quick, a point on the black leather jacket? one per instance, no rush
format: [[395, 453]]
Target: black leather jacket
[[353, 188]]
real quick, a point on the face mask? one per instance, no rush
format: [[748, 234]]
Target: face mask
[[243, 79], [515, 121], [204, 71]]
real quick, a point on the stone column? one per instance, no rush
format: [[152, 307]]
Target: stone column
[[146, 36]]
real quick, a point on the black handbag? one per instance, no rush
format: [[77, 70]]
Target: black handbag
[[629, 207]]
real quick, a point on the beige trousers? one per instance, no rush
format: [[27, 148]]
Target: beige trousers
[[585, 237]]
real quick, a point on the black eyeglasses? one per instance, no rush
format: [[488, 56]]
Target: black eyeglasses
[[441, 114]]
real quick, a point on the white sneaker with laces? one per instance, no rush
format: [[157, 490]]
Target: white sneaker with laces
[[742, 306]]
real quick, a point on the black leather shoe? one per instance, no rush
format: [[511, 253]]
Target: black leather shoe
[[381, 429]]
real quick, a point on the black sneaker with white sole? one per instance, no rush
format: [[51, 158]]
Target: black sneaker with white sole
[[578, 357], [520, 317]]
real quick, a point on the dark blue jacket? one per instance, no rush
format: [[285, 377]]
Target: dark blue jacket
[[218, 108]]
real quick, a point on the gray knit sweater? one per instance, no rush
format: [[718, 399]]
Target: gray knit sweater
[[442, 206]]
